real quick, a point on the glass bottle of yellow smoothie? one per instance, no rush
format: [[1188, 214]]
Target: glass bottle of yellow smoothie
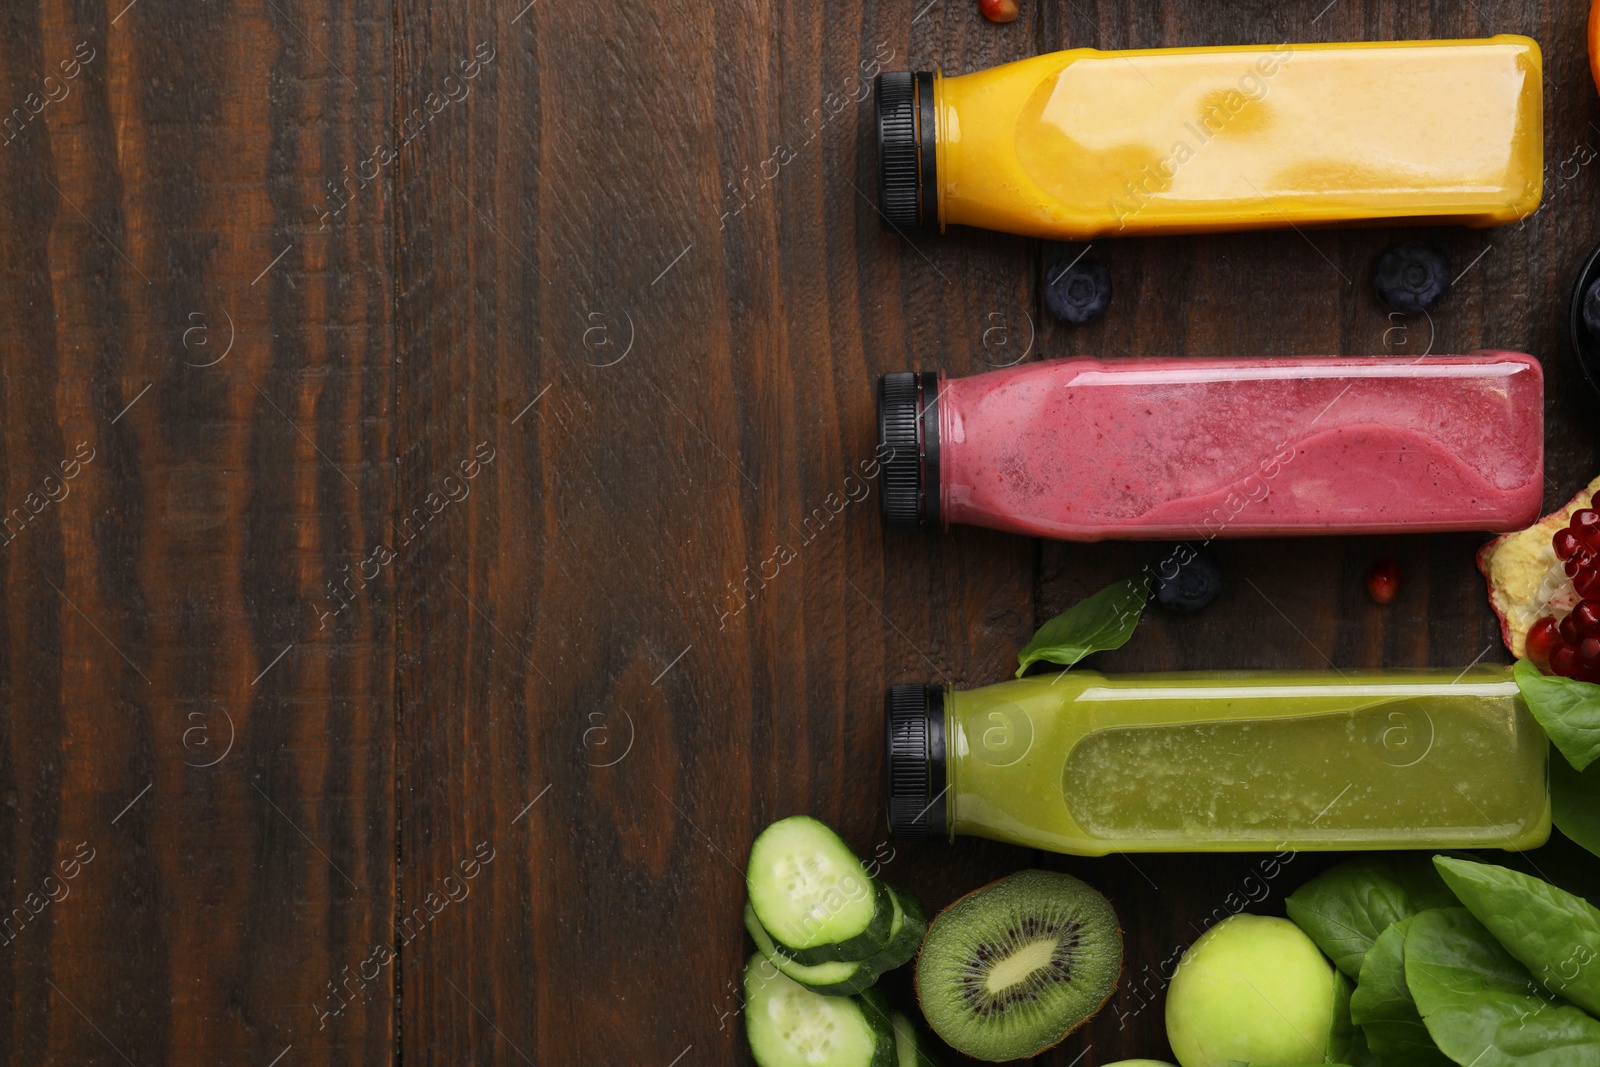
[[1087, 764], [1084, 143]]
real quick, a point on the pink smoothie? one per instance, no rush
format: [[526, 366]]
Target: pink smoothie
[[1084, 449]]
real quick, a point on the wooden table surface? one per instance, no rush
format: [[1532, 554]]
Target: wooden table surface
[[404, 668]]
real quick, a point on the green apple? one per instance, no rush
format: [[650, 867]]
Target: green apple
[[1254, 989]]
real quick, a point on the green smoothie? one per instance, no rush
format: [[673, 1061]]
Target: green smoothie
[[1234, 761]]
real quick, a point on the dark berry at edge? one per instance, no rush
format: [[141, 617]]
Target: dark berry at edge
[[1411, 277], [1077, 292], [1197, 582], [1591, 309]]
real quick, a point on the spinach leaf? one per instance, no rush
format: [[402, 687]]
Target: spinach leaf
[[1483, 1007], [1575, 802], [1549, 931], [1383, 1007], [1345, 908], [1095, 624], [1347, 1045], [1568, 710]]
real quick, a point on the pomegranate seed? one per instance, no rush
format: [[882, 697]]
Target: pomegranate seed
[[1577, 562], [1383, 581], [1586, 525], [1565, 542], [1542, 637], [1589, 652], [1587, 583], [998, 10], [1569, 630], [1563, 660], [1587, 616]]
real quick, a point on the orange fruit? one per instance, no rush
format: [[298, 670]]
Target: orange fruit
[[1594, 41]]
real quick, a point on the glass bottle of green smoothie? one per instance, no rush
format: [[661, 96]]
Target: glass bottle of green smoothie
[[1222, 761]]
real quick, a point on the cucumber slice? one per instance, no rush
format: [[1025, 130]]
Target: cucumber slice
[[812, 895], [910, 1047], [905, 1041], [907, 926], [862, 947], [790, 1026], [831, 979], [876, 1009]]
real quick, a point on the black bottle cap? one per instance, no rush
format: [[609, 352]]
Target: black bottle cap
[[908, 158], [917, 786], [908, 448]]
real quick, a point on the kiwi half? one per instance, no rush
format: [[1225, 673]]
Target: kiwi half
[[1011, 969]]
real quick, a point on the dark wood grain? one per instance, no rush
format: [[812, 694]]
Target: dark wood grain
[[525, 541], [177, 707], [712, 615]]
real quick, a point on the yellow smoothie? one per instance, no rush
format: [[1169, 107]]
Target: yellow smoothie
[[1084, 143]]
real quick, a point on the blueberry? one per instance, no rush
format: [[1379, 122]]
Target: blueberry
[[1411, 277], [1077, 291], [1187, 579], [1591, 309]]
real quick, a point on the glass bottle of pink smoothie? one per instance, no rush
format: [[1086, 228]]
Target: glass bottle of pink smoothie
[[1178, 448]]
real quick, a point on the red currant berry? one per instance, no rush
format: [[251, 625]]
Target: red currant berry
[[1383, 581], [1585, 525], [1589, 652], [1565, 542], [1563, 660], [1542, 637], [1587, 614]]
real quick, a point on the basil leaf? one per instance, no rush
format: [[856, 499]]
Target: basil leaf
[[1095, 624], [1347, 1045], [1344, 909], [1549, 931], [1483, 1007], [1568, 710], [1383, 1007], [1575, 803]]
